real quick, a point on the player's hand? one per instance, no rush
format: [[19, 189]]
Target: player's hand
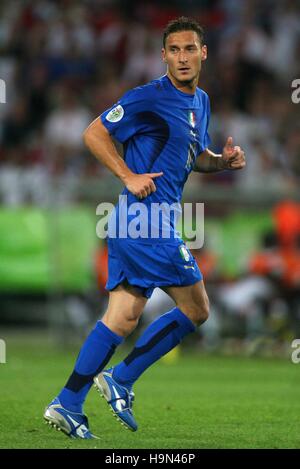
[[233, 157], [141, 185]]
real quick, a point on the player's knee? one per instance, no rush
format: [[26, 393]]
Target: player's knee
[[123, 323], [127, 327], [204, 312], [130, 322], [198, 313], [124, 327]]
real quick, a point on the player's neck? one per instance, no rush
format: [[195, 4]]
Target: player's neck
[[185, 87]]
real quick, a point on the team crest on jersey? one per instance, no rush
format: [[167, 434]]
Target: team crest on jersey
[[184, 253], [192, 118], [116, 114]]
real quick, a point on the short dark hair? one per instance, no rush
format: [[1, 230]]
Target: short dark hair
[[183, 24]]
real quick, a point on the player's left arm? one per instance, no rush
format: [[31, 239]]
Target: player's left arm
[[232, 157]]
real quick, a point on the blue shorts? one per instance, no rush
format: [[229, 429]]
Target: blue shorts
[[147, 266]]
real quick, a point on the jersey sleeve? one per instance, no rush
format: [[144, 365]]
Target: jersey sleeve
[[206, 139], [123, 119]]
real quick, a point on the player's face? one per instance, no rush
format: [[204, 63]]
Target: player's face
[[184, 54]]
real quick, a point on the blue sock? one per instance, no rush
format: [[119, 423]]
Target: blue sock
[[95, 353], [160, 337]]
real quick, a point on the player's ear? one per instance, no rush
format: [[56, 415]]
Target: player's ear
[[203, 52], [163, 55]]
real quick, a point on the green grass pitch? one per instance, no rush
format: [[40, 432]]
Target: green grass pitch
[[198, 401]]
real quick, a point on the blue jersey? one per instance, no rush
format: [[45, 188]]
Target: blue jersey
[[163, 130]]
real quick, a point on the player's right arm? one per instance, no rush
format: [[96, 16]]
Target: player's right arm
[[98, 140]]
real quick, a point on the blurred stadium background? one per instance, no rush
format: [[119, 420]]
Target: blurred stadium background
[[65, 62]]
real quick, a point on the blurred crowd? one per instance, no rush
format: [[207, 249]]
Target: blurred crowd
[[64, 62]]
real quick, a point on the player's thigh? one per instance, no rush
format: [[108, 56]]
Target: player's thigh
[[126, 303], [191, 299]]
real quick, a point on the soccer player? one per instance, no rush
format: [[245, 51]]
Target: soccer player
[[163, 126]]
